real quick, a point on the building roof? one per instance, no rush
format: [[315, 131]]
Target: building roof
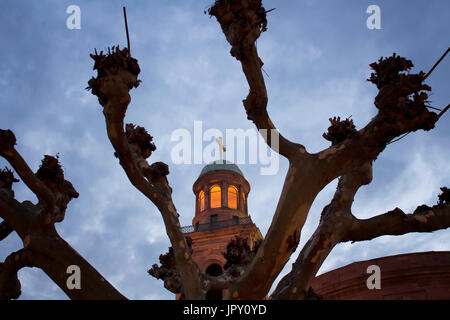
[[221, 165]]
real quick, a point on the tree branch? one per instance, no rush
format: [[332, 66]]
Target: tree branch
[[242, 25], [10, 287], [225, 280], [21, 217], [282, 237], [7, 151], [5, 230], [54, 255], [333, 223], [341, 226], [117, 75], [402, 104], [396, 222], [51, 253], [402, 108]]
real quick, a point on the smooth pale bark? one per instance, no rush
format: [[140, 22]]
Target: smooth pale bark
[[112, 86], [348, 158], [47, 250], [334, 221], [242, 23], [396, 222], [54, 256]]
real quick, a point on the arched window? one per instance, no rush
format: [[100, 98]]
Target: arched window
[[201, 200], [214, 270], [215, 197], [232, 197], [243, 201]]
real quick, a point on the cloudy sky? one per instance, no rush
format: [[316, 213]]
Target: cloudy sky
[[316, 56]]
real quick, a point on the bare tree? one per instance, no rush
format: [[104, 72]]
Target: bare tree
[[402, 108]]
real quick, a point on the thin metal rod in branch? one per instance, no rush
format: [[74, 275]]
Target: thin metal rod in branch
[[126, 28], [434, 108], [439, 116], [443, 111], [399, 138], [436, 64]]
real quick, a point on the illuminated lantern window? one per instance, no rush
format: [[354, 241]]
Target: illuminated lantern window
[[215, 197], [243, 201], [201, 200], [232, 197]]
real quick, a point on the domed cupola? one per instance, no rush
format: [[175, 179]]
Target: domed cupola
[[221, 195], [221, 214]]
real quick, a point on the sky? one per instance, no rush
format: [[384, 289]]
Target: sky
[[316, 58]]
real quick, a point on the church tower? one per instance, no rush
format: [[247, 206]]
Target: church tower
[[221, 213]]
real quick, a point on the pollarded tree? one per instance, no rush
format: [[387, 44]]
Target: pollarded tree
[[402, 108]]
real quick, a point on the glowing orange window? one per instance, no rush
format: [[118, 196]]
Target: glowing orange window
[[201, 200], [232, 197], [215, 197]]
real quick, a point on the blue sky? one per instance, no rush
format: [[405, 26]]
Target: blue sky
[[316, 55]]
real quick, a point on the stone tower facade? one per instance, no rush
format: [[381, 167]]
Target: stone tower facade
[[221, 213]]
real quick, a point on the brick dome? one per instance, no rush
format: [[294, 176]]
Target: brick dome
[[418, 276]]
